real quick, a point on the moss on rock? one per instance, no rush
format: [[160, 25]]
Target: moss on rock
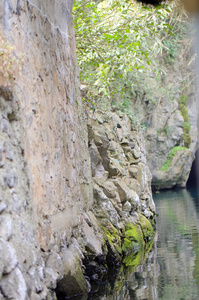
[[112, 236], [134, 259], [172, 153], [147, 228], [133, 238], [138, 240], [186, 128]]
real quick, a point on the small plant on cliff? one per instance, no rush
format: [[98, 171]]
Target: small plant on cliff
[[186, 128], [170, 156], [10, 65]]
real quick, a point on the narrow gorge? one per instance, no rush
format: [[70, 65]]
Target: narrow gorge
[[75, 184]]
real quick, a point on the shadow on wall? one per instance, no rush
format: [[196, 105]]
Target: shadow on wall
[[193, 180]]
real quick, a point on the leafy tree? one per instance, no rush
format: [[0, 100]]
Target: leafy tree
[[10, 64], [118, 43]]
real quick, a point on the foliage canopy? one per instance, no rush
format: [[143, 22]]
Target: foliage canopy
[[10, 64], [118, 45]]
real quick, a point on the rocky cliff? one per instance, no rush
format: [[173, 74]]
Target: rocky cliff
[[71, 197], [169, 112]]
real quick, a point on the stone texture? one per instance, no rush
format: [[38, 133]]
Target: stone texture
[[126, 189], [13, 285], [51, 210]]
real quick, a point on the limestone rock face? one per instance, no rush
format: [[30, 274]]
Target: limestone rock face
[[45, 183], [57, 194], [122, 180], [165, 133], [177, 174]]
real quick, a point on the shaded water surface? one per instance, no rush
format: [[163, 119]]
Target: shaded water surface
[[171, 268]]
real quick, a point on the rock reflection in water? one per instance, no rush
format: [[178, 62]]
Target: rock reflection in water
[[171, 268], [127, 283], [178, 245], [139, 283]]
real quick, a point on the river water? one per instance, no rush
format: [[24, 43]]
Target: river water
[[171, 269]]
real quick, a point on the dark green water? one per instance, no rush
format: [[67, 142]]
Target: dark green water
[[171, 269]]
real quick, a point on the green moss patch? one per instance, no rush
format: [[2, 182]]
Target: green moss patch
[[133, 238], [186, 128], [112, 236], [170, 156], [134, 259], [138, 240], [147, 228]]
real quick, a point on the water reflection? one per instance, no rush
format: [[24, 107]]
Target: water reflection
[[171, 269], [178, 245]]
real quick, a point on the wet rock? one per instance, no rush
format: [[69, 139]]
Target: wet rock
[[73, 281]]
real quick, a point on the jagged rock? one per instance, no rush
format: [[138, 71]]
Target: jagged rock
[[45, 164], [105, 207], [131, 158], [54, 269], [95, 157], [2, 207], [133, 171], [127, 194], [8, 257], [5, 227], [73, 281], [114, 168], [136, 153], [165, 133], [13, 285], [92, 242], [177, 174], [127, 207]]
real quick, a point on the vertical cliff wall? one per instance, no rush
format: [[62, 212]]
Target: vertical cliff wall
[[46, 175], [50, 219]]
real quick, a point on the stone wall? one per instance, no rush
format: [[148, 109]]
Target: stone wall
[[53, 215]]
